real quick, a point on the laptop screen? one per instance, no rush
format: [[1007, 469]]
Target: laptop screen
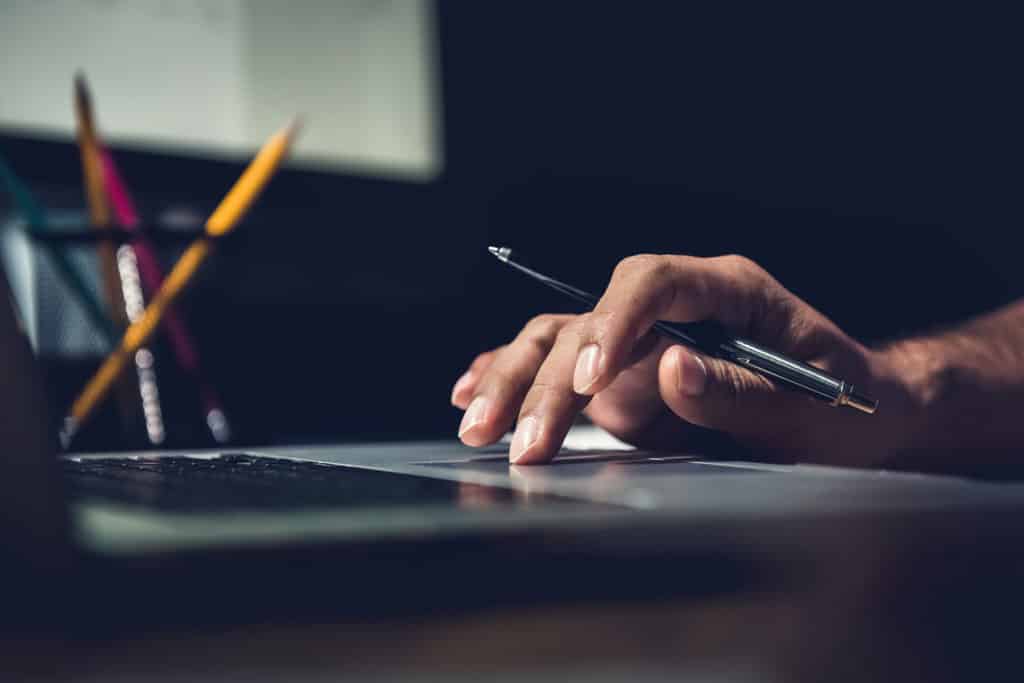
[[215, 78]]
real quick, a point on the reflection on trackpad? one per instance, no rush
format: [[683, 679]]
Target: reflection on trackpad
[[692, 464]]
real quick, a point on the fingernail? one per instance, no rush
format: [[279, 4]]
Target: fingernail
[[693, 374], [461, 384], [526, 435], [587, 367], [475, 414]]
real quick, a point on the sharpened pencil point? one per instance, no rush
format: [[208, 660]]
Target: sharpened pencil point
[[295, 125], [83, 104], [81, 86]]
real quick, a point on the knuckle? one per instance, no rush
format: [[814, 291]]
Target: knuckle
[[543, 327], [740, 264], [532, 399], [547, 391], [485, 358], [659, 276], [494, 376], [589, 327], [637, 263], [499, 382], [656, 274], [539, 334], [573, 330], [649, 276]]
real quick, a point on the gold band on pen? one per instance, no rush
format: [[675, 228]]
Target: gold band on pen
[[848, 396]]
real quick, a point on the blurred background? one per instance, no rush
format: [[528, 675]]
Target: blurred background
[[867, 156]]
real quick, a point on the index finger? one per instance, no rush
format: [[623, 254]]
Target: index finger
[[648, 288]]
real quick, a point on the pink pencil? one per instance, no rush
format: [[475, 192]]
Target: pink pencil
[[152, 275]]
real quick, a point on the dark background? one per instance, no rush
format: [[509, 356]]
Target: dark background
[[868, 157]]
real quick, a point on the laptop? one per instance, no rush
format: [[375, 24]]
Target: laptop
[[402, 524]]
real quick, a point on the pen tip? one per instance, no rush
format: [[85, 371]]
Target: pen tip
[[501, 253]]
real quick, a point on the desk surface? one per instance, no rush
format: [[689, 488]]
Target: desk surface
[[915, 598]]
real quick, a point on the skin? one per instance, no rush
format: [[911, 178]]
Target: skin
[[942, 399]]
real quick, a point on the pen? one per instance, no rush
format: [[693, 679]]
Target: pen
[[709, 338]]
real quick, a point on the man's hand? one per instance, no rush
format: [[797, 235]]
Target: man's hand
[[643, 389]]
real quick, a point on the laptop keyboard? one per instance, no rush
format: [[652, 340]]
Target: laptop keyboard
[[240, 481]]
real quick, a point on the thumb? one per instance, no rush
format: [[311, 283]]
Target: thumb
[[720, 395]]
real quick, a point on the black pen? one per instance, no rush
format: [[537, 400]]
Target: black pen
[[708, 337]]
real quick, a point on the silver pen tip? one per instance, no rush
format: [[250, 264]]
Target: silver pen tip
[[501, 252]]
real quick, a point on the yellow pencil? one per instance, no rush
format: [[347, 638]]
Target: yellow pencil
[[99, 218], [223, 219], [95, 194]]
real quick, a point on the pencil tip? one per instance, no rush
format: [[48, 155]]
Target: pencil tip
[[295, 125], [83, 100], [81, 86]]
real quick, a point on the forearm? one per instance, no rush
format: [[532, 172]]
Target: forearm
[[966, 386]]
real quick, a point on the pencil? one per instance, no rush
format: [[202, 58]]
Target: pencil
[[182, 344], [99, 217], [37, 221], [118, 271], [224, 218], [99, 209]]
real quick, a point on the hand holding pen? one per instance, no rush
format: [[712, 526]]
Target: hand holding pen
[[642, 387]]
